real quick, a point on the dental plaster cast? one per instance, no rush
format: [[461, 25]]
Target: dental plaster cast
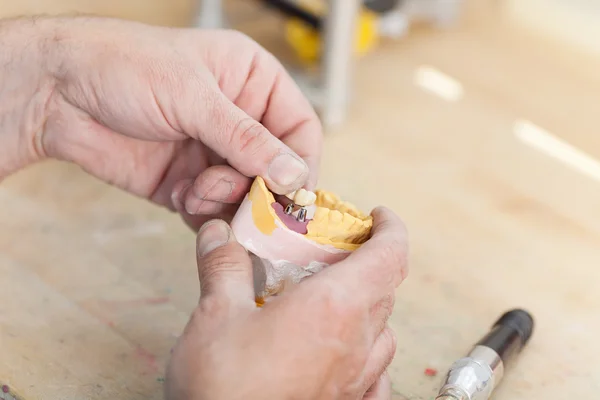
[[294, 236]]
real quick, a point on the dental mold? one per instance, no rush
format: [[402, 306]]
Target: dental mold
[[288, 244]]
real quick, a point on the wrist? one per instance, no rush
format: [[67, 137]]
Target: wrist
[[26, 88]]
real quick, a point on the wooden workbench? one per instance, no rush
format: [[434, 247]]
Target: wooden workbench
[[96, 285]]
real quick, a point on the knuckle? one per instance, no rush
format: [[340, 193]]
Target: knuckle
[[227, 260], [381, 314], [388, 301], [392, 301], [249, 137], [387, 305], [391, 341], [224, 259], [391, 255]]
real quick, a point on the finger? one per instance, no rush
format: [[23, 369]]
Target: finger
[[195, 222], [248, 146], [212, 208], [379, 265], [209, 210], [380, 313], [179, 192], [291, 118], [217, 184], [381, 356], [271, 96], [381, 389], [188, 158], [224, 267]]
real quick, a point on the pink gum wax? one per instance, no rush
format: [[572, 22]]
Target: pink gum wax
[[282, 244]]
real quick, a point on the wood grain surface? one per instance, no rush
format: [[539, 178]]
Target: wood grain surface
[[97, 285]]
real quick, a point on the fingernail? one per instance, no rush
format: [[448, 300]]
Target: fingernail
[[218, 192], [285, 169], [212, 235], [178, 197]]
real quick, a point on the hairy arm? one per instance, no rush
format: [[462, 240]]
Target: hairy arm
[[26, 85]]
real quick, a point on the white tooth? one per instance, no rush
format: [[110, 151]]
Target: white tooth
[[310, 211], [300, 196], [291, 195], [304, 197], [312, 197]]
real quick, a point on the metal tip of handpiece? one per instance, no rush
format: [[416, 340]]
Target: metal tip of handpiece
[[451, 394]]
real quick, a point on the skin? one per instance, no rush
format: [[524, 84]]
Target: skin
[[179, 116], [327, 338], [186, 118]]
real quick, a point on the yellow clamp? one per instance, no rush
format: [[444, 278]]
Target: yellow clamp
[[307, 42]]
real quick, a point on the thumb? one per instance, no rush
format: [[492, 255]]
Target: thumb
[[381, 390], [249, 147], [224, 266]]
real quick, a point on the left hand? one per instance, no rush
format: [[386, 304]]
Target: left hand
[[325, 338], [183, 117]]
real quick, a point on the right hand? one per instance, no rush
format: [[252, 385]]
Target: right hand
[[183, 117], [327, 338]]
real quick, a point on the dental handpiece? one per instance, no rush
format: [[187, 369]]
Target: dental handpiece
[[475, 376]]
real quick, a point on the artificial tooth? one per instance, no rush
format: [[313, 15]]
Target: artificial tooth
[[304, 197], [310, 211], [291, 195]]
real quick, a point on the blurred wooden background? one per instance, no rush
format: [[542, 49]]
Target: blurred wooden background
[[483, 137]]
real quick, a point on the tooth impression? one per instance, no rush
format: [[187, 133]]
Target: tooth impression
[[336, 216], [304, 197]]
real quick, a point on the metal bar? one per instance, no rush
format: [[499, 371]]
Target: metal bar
[[209, 14], [340, 28]]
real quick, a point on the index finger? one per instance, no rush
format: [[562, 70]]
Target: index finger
[[290, 117], [272, 97], [378, 266]]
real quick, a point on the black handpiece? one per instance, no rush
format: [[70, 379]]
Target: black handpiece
[[509, 334], [476, 376]]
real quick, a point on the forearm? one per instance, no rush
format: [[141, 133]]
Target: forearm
[[26, 87]]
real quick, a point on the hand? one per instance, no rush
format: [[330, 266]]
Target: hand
[[183, 117], [324, 339]]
